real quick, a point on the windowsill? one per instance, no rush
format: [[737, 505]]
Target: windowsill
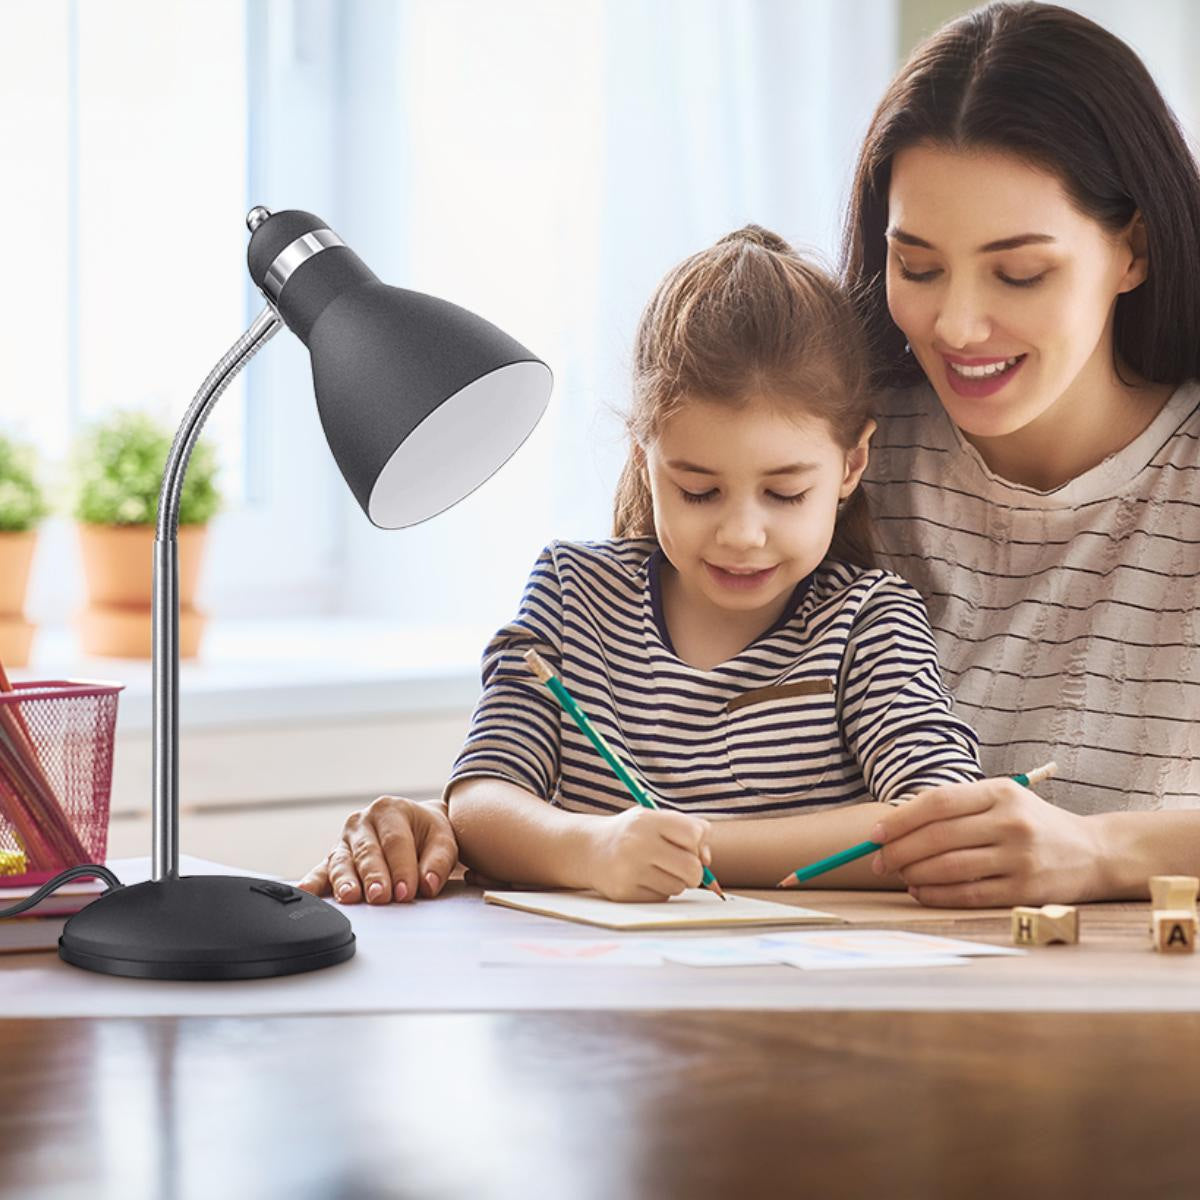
[[280, 671]]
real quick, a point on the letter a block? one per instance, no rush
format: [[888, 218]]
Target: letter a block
[[1041, 926], [1175, 931], [1176, 892]]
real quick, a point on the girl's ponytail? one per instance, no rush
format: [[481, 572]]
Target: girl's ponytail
[[756, 235], [633, 508], [853, 534]]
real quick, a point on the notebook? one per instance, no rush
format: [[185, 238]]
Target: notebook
[[38, 928], [20, 935], [695, 908], [62, 902]]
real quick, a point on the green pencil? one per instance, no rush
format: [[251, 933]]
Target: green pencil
[[1043, 772], [863, 848], [538, 665]]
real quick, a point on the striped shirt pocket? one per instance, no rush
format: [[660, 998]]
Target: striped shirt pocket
[[782, 741]]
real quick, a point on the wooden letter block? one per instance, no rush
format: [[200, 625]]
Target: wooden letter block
[[1175, 931], [1041, 926], [1176, 892]]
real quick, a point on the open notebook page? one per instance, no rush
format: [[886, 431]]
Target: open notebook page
[[694, 908]]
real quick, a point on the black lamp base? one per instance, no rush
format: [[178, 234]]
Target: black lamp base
[[206, 927]]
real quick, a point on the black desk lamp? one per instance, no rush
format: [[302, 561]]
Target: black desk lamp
[[421, 401]]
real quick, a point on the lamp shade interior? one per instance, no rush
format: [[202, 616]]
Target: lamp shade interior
[[420, 400], [460, 444]]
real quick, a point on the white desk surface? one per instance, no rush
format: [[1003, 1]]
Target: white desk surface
[[424, 957]]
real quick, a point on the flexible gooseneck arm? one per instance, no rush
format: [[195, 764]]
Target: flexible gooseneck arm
[[165, 611]]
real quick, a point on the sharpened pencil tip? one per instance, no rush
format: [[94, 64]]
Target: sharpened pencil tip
[[788, 881]]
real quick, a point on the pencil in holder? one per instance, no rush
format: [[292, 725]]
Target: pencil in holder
[[56, 754]]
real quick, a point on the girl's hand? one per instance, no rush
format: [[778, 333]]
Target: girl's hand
[[985, 844], [394, 849], [647, 854]]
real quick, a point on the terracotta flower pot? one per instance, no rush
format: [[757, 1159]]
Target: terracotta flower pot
[[16, 633], [118, 565]]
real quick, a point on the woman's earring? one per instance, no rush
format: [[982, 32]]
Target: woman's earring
[[907, 348]]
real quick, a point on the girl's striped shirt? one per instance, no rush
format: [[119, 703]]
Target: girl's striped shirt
[[1068, 621], [841, 701]]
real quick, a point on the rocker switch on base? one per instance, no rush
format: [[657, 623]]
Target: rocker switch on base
[[277, 891]]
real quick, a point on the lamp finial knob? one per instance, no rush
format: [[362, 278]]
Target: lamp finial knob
[[256, 216]]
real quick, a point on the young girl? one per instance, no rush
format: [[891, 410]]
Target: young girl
[[734, 642]]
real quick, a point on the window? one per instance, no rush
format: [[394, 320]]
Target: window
[[542, 163]]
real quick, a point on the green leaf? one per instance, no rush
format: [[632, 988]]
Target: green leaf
[[119, 465], [22, 501]]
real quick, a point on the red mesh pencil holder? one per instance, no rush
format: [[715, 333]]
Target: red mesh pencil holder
[[56, 753]]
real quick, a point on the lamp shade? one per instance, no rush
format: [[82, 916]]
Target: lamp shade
[[420, 400]]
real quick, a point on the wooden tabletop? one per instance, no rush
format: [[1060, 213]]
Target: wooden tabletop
[[603, 1105], [582, 1104]]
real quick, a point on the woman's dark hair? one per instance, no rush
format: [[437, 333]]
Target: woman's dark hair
[[1055, 89]]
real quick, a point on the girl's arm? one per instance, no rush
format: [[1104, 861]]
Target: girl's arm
[[897, 715], [759, 852], [897, 722], [509, 767], [508, 833], [639, 854]]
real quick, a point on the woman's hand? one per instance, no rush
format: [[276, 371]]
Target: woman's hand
[[394, 849], [647, 854], [989, 844]]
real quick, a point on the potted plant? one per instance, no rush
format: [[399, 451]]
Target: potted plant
[[22, 506], [119, 467]]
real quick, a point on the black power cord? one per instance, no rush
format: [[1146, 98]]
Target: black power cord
[[52, 885]]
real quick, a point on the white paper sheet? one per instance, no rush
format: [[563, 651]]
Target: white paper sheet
[[887, 942], [813, 959], [568, 952], [720, 952], [700, 951]]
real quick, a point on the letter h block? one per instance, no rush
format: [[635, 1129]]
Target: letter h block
[[1041, 926]]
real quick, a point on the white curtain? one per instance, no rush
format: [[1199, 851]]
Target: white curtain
[[544, 163]]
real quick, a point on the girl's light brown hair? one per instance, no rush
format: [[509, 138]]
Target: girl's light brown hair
[[748, 318]]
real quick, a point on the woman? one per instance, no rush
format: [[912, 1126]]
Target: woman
[[1024, 229], [1023, 238]]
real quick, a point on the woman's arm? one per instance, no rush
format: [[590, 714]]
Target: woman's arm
[[996, 843], [507, 832], [394, 849], [759, 852], [1135, 845]]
